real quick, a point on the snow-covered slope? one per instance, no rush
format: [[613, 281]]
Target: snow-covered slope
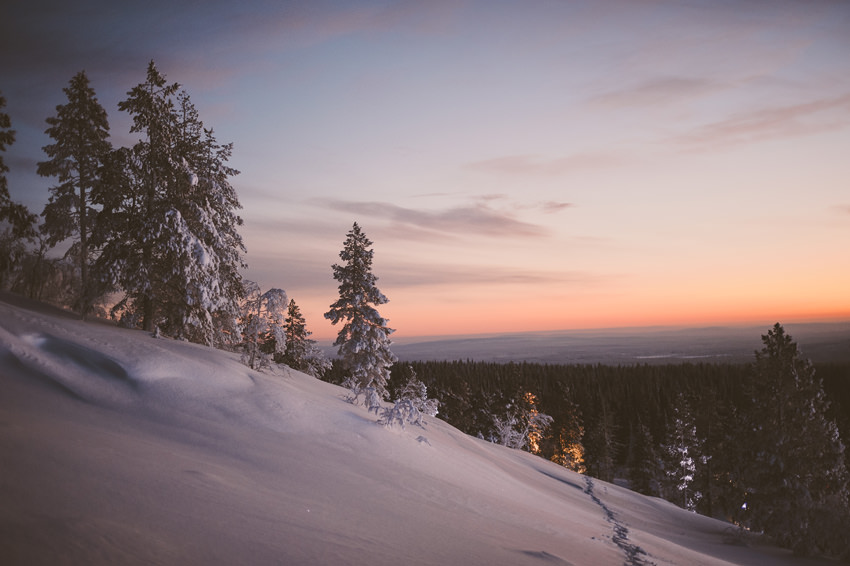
[[120, 448]]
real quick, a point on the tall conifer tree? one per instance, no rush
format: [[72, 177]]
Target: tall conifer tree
[[363, 340], [795, 472], [301, 352], [17, 215], [80, 131], [682, 456], [134, 257], [18, 218], [171, 240], [644, 461], [601, 445]]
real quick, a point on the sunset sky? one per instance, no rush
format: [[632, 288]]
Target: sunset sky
[[518, 165]]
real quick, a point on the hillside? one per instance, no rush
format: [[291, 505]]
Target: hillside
[[121, 448]]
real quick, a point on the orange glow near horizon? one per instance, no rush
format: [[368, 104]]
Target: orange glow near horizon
[[446, 319]]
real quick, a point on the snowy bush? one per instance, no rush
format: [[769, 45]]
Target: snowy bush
[[417, 393], [402, 412], [505, 432], [371, 399], [410, 408]]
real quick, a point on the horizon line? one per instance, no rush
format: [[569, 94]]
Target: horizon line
[[405, 340]]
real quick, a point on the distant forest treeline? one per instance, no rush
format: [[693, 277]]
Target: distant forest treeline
[[632, 423]]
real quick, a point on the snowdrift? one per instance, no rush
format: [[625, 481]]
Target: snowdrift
[[121, 448]]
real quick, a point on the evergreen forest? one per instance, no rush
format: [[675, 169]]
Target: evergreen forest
[[684, 432]]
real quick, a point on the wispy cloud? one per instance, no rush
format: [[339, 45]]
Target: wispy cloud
[[418, 274], [529, 164], [659, 91], [476, 218], [807, 118], [551, 207]]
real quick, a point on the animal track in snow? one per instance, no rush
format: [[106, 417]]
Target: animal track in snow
[[634, 553]]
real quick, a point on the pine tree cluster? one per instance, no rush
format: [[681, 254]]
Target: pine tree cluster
[[154, 225]]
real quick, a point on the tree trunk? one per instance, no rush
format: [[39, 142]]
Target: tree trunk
[[147, 313]]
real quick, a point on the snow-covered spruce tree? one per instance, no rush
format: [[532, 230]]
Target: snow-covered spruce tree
[[170, 239], [682, 454], [411, 405], [17, 219], [116, 231], [262, 318], [206, 308], [80, 131], [135, 253], [795, 473], [417, 392], [136, 190], [363, 340], [522, 426], [301, 352]]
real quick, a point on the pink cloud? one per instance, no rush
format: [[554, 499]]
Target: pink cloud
[[419, 274], [477, 218], [794, 120], [552, 206], [657, 91]]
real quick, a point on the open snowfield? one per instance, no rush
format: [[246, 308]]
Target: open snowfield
[[121, 448]]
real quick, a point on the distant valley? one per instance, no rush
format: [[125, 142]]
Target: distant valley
[[820, 342]]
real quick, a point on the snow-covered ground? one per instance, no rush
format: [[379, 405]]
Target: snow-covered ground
[[121, 448]]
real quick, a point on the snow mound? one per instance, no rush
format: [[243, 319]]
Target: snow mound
[[121, 448]]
